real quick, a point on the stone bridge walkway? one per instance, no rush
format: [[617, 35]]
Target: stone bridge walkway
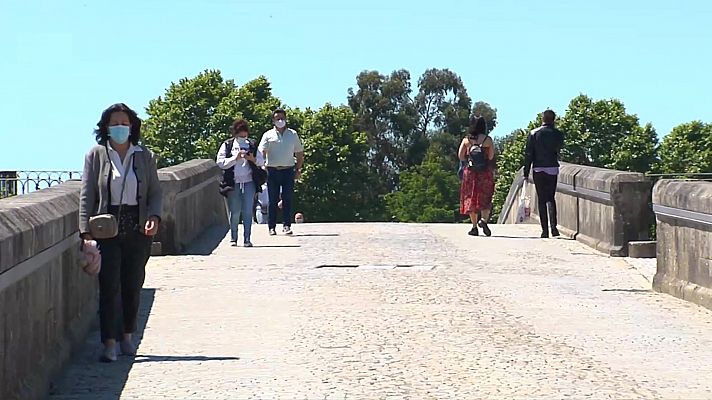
[[506, 317]]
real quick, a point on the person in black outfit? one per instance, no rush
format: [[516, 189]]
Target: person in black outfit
[[542, 153]]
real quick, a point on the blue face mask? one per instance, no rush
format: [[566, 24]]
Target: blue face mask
[[119, 133]]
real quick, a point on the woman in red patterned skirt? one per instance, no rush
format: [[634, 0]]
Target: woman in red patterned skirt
[[477, 152]]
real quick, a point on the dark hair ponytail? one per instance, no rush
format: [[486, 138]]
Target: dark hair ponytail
[[478, 126]]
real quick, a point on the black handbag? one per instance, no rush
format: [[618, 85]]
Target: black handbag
[[259, 176]]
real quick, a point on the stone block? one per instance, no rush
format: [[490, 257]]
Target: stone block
[[642, 249], [684, 234]]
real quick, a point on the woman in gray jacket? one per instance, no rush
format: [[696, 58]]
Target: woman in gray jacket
[[120, 178]]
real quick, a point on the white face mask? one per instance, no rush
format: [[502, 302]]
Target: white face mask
[[280, 123], [241, 140]]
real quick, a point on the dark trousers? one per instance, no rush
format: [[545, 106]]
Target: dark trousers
[[546, 194], [123, 270], [280, 179]]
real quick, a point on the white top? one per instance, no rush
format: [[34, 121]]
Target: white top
[[280, 147], [243, 173], [119, 170]]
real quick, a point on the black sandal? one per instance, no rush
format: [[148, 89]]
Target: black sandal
[[485, 228]]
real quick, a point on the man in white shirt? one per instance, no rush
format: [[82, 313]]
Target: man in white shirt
[[284, 157]]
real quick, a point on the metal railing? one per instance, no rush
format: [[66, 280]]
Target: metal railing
[[13, 183]]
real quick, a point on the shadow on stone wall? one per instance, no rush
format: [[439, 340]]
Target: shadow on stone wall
[[208, 241]]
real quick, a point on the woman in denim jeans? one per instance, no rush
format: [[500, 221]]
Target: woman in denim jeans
[[234, 158]]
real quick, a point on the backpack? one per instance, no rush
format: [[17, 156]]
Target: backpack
[[259, 175], [477, 158]]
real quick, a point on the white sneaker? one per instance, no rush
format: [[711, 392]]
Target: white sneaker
[[287, 230]]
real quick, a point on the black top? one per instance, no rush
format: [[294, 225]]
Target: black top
[[543, 147]]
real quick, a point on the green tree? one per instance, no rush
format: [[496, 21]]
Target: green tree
[[443, 107], [637, 151], [446, 146], [687, 149], [252, 101], [180, 125], [399, 126], [194, 115], [427, 193], [602, 134], [296, 118], [385, 112], [500, 142], [336, 184], [442, 103]]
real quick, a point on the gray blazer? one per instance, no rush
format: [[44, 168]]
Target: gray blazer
[[94, 195]]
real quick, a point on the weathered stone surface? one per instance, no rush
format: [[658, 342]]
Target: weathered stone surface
[[642, 249], [684, 251], [34, 222], [191, 203], [510, 316], [46, 301]]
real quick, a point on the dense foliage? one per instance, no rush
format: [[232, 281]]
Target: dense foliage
[[390, 152]]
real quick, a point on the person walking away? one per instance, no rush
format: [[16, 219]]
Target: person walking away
[[477, 186], [542, 153]]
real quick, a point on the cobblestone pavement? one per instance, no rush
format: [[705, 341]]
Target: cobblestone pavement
[[510, 316]]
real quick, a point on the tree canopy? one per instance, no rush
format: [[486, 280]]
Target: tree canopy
[[389, 153]]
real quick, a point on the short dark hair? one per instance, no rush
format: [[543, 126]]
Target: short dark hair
[[549, 115], [102, 127], [240, 125], [478, 126], [279, 111]]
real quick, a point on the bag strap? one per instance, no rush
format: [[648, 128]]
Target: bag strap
[[127, 171], [228, 147], [252, 150], [111, 169], [123, 183], [253, 146], [479, 144]]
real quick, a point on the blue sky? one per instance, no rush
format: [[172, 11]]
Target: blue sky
[[64, 61]]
